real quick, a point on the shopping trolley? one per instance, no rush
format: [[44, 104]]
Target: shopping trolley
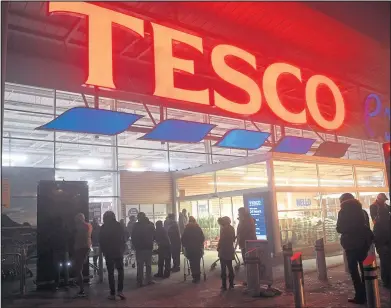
[[129, 254], [187, 268], [237, 261]]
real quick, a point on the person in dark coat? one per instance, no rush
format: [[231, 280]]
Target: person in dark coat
[[246, 229], [131, 222], [226, 251], [125, 229], [112, 243], [381, 232], [175, 239], [193, 243], [356, 239], [164, 251], [182, 221], [143, 236], [379, 207], [95, 242]]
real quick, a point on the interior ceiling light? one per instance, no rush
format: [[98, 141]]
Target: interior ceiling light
[[68, 166], [14, 157], [160, 165], [136, 169], [90, 161]]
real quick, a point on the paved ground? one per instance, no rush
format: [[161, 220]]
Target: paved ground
[[175, 292], [10, 289]]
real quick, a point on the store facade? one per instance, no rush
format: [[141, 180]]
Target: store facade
[[178, 118]]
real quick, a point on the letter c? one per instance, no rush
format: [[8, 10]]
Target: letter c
[[270, 78], [312, 104]]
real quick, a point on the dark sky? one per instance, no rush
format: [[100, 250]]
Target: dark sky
[[371, 18]]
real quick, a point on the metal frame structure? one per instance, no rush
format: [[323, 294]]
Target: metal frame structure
[[269, 159]]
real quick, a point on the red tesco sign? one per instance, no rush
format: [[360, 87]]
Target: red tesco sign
[[100, 68]]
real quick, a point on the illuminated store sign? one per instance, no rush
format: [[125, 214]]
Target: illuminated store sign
[[100, 69]]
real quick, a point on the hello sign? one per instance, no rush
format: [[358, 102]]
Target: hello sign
[[100, 68]]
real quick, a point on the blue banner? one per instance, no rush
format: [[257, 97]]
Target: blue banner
[[256, 207]]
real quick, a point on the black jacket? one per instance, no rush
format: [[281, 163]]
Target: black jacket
[[143, 235], [173, 233], [111, 239], [95, 235], [353, 225], [225, 247], [193, 240], [381, 231], [377, 210]]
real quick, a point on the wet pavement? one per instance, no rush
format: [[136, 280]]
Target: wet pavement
[[175, 292]]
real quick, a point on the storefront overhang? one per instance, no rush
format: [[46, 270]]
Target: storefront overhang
[[51, 51]]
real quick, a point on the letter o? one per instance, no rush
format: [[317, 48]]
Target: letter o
[[312, 104]]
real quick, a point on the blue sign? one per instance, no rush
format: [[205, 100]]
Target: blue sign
[[303, 202], [374, 110], [256, 207]]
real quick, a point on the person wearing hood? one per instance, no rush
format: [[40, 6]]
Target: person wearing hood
[[356, 239], [175, 239], [182, 221], [226, 251], [381, 230], [82, 248], [164, 251], [143, 235], [112, 243], [125, 229], [245, 230], [95, 242], [379, 207], [193, 243], [131, 222]]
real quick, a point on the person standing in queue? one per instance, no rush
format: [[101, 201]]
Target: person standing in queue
[[193, 243], [82, 248], [95, 242], [379, 207], [245, 231], [175, 239], [164, 251], [182, 221], [112, 243], [356, 239], [143, 236], [226, 251], [381, 230]]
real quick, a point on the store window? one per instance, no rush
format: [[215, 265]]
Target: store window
[[300, 218], [78, 156], [370, 177], [335, 175], [148, 210], [245, 177], [196, 185], [100, 183], [295, 174], [27, 153]]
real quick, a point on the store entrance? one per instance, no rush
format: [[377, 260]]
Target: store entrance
[[207, 211]]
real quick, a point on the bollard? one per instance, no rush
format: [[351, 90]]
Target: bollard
[[345, 262], [100, 266], [66, 268], [252, 270], [320, 259], [371, 282], [298, 280], [287, 254], [22, 265]]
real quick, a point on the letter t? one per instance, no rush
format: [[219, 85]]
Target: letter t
[[100, 45]]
